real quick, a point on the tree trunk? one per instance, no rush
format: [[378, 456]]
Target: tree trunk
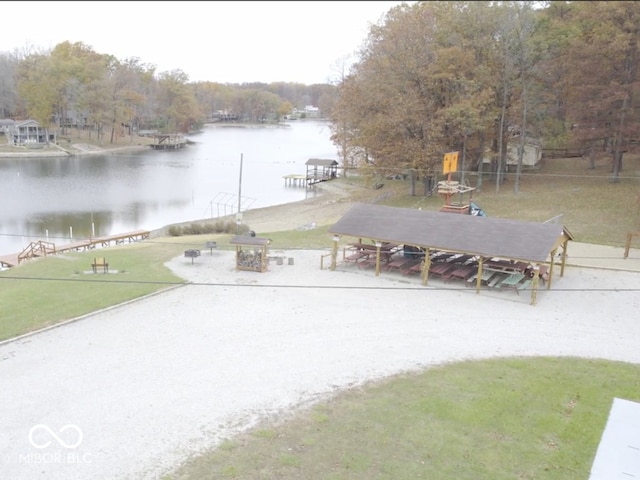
[[617, 165], [592, 157], [481, 162], [412, 182], [617, 145], [464, 154], [523, 132], [503, 114]]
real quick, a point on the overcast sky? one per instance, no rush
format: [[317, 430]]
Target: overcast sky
[[218, 41]]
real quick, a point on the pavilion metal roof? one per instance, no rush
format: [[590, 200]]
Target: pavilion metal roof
[[321, 162], [484, 236]]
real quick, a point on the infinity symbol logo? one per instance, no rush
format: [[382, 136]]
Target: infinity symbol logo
[[60, 441]]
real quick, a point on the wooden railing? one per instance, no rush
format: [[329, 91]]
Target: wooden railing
[[37, 249]]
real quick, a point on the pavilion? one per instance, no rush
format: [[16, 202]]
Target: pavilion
[[486, 238]]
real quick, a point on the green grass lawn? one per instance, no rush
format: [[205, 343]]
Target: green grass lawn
[[60, 287], [515, 418]]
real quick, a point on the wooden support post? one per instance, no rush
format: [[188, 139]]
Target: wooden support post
[[479, 277], [551, 264], [534, 284], [627, 245], [334, 252], [564, 257], [426, 265]]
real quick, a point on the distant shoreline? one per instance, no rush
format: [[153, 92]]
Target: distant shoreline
[[79, 152]]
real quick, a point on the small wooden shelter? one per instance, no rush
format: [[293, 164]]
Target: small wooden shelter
[[251, 253], [321, 170]]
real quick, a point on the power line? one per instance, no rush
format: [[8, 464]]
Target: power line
[[292, 286]]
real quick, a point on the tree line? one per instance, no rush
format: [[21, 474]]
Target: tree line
[[436, 77], [430, 78], [72, 86]]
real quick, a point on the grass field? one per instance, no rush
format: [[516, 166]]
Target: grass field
[[594, 209], [497, 419]]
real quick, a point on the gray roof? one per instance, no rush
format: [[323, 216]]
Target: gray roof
[[322, 162], [249, 240], [484, 236]]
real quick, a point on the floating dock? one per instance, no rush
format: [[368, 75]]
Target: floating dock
[[295, 180], [169, 141]]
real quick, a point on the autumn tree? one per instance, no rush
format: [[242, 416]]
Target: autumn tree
[[126, 89], [604, 98], [36, 92], [213, 97], [8, 91], [414, 95], [177, 103]]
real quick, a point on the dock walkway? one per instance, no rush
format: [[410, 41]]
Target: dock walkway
[[13, 259]]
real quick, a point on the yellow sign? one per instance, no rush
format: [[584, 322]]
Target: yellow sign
[[450, 163]]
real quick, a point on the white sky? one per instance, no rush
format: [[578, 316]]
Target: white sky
[[218, 41]]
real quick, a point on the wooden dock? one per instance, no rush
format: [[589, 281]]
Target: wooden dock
[[168, 141], [295, 180], [318, 170], [42, 249]]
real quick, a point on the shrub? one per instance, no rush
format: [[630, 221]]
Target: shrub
[[220, 226]]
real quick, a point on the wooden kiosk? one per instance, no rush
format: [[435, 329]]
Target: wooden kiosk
[[251, 253]]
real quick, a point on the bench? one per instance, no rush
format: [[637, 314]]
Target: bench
[[100, 262], [523, 285], [211, 245], [497, 279]]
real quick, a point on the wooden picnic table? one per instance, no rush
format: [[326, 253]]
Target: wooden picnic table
[[496, 280], [369, 247], [413, 268], [485, 278], [441, 256], [370, 261], [442, 268], [512, 280], [517, 281], [399, 263], [356, 257], [505, 266], [460, 259], [463, 272]]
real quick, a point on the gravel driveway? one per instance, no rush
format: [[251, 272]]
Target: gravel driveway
[[130, 392]]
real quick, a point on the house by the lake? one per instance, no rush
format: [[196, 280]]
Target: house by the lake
[[26, 133]]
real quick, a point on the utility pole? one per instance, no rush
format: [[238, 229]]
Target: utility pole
[[239, 215]]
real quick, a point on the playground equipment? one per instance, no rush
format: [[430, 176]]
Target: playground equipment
[[448, 188]]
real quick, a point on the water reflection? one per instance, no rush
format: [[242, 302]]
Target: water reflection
[[54, 198]]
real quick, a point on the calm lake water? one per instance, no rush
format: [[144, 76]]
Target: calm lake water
[[64, 199]]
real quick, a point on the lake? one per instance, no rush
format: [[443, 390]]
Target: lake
[[64, 199]]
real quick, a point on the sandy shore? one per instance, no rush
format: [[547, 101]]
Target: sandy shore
[[143, 386]]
